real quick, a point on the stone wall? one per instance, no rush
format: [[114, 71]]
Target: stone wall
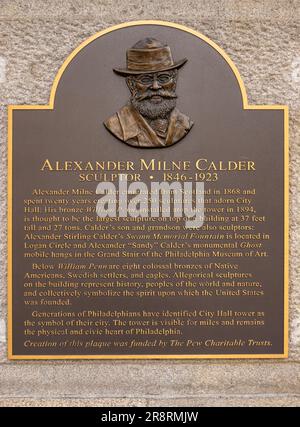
[[262, 38]]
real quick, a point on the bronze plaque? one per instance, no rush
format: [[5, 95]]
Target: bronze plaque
[[94, 271]]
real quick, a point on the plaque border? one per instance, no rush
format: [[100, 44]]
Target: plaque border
[[246, 106]]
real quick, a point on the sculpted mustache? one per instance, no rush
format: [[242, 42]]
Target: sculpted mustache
[[164, 94]]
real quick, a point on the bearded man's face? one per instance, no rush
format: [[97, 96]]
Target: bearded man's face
[[153, 95]]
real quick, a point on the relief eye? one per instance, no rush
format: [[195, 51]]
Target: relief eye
[[146, 80], [164, 78]]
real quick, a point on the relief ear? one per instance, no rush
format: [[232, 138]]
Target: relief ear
[[130, 83]]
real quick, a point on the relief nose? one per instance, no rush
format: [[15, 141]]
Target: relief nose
[[155, 85]]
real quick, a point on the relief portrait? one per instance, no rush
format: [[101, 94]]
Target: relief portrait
[[150, 119]]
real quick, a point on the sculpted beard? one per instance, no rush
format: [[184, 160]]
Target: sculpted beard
[[152, 110]]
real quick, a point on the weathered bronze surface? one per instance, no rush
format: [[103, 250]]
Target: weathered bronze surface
[[150, 118]]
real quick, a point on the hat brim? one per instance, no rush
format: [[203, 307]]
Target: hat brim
[[126, 71]]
